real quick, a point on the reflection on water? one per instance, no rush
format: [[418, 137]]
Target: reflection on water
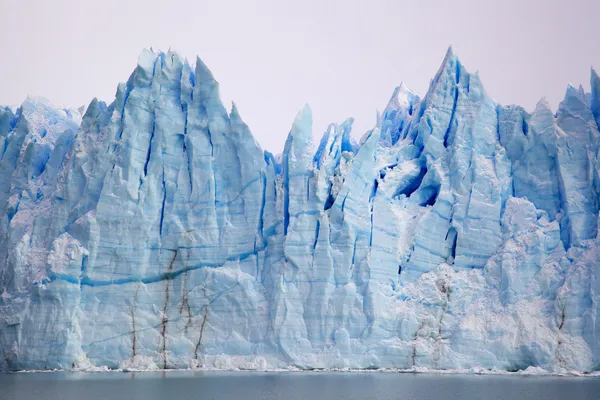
[[290, 385]]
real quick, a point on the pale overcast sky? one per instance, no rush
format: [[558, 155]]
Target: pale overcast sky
[[344, 58]]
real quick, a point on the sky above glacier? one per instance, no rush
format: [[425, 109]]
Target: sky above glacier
[[344, 58]]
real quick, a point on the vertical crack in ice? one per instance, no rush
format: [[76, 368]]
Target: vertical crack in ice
[[562, 318], [185, 104], [415, 338], [133, 334], [318, 227], [565, 223], [84, 262], [165, 318], [471, 181], [198, 347], [344, 202], [558, 353], [452, 234], [153, 112], [444, 288], [372, 201], [148, 153], [185, 149], [457, 71], [12, 211], [133, 327], [263, 203], [128, 90], [286, 188], [185, 303], [164, 200], [524, 125], [353, 252], [371, 230], [4, 148], [330, 198], [214, 175], [498, 136], [452, 114]]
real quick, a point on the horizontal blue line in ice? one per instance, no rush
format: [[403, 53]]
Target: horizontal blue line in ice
[[86, 281]]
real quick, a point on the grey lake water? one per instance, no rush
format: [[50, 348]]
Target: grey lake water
[[185, 385]]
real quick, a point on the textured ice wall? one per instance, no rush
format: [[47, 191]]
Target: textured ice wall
[[155, 232]]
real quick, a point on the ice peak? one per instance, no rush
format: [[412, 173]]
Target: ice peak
[[347, 124], [203, 73], [402, 97], [595, 101], [572, 94], [594, 80], [449, 54], [595, 83], [543, 104], [450, 60], [299, 140], [234, 114], [146, 59], [347, 140], [96, 106], [451, 71], [302, 127], [304, 117]]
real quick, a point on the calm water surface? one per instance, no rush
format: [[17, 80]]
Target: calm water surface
[[290, 385]]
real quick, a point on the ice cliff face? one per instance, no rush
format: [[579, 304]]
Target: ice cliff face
[[155, 231]]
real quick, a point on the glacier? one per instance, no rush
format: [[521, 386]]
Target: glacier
[[155, 232]]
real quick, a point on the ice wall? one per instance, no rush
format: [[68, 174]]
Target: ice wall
[[155, 232]]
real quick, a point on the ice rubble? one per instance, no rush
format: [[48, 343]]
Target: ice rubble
[[155, 232]]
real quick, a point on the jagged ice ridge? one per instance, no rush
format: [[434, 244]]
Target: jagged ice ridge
[[155, 232]]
